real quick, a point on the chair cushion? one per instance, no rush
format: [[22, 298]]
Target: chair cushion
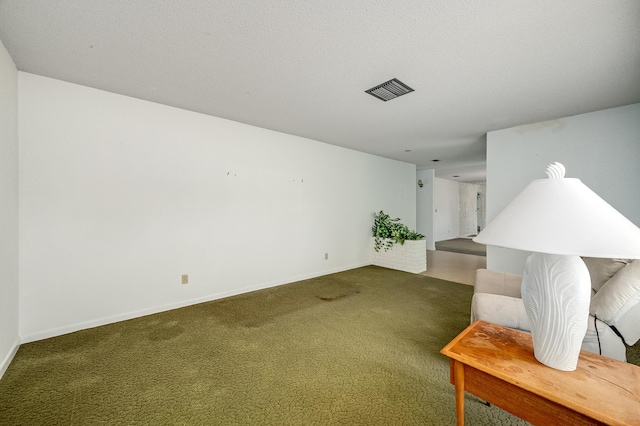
[[504, 310], [495, 282]]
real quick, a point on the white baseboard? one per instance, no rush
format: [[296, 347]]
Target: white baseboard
[[9, 357], [45, 334]]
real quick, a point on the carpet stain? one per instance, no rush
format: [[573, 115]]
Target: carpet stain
[[166, 333], [333, 290], [334, 298]]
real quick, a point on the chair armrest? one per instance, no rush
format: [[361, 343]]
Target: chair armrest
[[627, 325], [618, 302], [496, 282]]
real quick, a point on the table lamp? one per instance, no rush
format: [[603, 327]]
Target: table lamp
[[560, 219]]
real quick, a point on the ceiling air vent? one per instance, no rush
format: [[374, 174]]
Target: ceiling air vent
[[389, 90]]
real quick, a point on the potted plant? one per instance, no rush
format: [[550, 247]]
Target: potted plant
[[389, 248], [387, 231]]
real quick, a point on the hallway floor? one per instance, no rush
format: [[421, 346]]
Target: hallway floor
[[456, 267]]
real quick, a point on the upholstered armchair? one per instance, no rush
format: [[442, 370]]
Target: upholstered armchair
[[614, 311]]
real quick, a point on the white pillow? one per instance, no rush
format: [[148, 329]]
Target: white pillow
[[601, 270], [618, 295]]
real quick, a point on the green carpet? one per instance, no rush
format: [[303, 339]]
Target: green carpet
[[357, 348]]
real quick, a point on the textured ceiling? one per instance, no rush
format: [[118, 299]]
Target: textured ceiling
[[301, 67]]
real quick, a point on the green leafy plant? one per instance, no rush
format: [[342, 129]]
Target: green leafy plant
[[388, 231]]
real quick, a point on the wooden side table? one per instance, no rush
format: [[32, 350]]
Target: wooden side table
[[496, 364]]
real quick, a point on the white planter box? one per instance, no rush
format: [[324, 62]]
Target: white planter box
[[408, 257]]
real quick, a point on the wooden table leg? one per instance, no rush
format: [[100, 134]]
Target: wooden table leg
[[458, 373]]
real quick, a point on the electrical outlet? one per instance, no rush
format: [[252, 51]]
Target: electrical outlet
[[185, 278], [326, 256]]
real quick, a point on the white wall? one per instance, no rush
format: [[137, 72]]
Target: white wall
[[120, 196], [602, 149], [447, 209], [425, 208], [9, 340]]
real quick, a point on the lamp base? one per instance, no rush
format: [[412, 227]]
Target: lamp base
[[556, 291]]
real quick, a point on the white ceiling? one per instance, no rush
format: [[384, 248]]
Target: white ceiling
[[301, 67]]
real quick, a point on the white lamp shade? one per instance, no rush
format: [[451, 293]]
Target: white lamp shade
[[563, 216]]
